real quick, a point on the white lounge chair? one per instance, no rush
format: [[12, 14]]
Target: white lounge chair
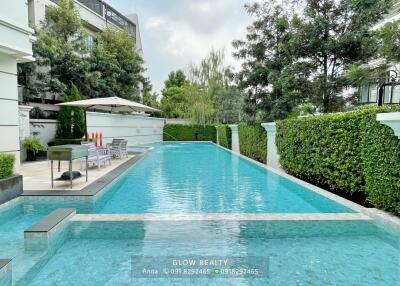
[[96, 157], [118, 148]]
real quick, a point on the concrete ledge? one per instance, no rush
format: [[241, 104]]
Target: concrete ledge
[[5, 272], [10, 188], [48, 232]]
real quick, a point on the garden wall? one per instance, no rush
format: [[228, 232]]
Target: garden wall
[[136, 129], [179, 132], [345, 152]]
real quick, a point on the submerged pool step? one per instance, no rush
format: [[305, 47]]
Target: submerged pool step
[[219, 216], [5, 272], [48, 232]]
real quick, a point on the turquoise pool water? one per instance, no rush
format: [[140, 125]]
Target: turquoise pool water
[[297, 253], [203, 178]]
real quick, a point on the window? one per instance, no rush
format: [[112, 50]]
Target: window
[[89, 42]]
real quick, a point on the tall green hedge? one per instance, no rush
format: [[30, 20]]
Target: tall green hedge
[[347, 152], [380, 152], [253, 141], [225, 136], [179, 132], [6, 165]]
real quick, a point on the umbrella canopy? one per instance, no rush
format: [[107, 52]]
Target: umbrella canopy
[[113, 104]]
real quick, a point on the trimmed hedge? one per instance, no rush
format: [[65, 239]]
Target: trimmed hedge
[[68, 141], [6, 165], [179, 132], [253, 141], [346, 152], [224, 136], [380, 152]]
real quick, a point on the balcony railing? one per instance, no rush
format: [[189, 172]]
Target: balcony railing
[[109, 14]]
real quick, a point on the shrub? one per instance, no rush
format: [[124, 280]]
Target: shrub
[[32, 144], [178, 132], [346, 152], [224, 136], [6, 165], [253, 141], [380, 153]]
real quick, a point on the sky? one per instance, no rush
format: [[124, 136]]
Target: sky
[[176, 33]]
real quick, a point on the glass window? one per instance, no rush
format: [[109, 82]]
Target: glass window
[[396, 94], [387, 93], [373, 92], [89, 41], [364, 93]]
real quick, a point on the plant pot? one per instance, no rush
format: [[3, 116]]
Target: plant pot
[[30, 155]]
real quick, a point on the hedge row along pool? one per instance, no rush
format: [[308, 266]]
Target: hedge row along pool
[[347, 152]]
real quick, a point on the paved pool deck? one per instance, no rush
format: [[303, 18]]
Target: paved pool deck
[[37, 177]]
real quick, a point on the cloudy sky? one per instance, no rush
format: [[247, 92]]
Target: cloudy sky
[[176, 33]]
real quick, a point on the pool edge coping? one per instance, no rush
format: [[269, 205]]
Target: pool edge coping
[[94, 187], [380, 215]]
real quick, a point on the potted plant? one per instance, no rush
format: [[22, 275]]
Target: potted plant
[[32, 146]]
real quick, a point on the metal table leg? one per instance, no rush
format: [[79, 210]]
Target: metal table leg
[[87, 168], [51, 165], [70, 172]]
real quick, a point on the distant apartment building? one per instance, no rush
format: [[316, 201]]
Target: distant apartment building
[[15, 47], [389, 85], [96, 15]]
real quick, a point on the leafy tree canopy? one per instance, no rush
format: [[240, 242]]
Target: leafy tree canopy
[[291, 58]]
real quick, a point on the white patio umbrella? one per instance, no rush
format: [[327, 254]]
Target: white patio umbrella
[[110, 104]]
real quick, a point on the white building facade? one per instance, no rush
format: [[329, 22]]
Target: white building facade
[[15, 47]]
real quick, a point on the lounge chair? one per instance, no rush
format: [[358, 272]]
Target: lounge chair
[[96, 157], [118, 148]]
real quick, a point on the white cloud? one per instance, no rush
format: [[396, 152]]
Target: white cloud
[[179, 32]]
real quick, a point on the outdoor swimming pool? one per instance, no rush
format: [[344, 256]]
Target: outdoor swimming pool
[[184, 178], [295, 253], [203, 178]]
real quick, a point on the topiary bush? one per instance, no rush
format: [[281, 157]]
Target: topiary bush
[[6, 165], [224, 136], [349, 153], [253, 141], [179, 132]]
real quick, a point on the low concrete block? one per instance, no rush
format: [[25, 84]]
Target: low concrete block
[[10, 188], [5, 272], [48, 233]]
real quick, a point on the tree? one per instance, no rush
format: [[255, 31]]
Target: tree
[[78, 116], [111, 68], [115, 67], [59, 53], [290, 58], [174, 101], [71, 122], [220, 98], [64, 121]]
